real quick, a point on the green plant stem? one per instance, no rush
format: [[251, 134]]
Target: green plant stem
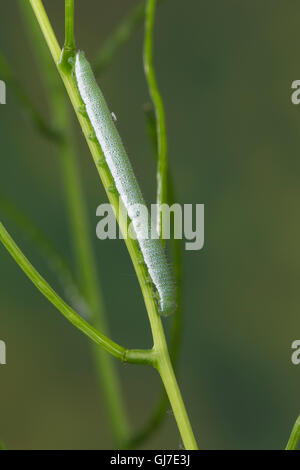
[[118, 38], [157, 416], [294, 437], [162, 168], [69, 18], [79, 227], [92, 291], [69, 45], [160, 350]]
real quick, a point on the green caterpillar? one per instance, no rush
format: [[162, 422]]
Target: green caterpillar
[[125, 182]]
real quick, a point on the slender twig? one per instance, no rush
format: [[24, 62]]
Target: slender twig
[[27, 104], [159, 413], [153, 127], [162, 169], [162, 359], [108, 51], [119, 352], [79, 228], [294, 437]]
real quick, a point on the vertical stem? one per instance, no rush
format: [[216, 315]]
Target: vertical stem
[[166, 371], [169, 380]]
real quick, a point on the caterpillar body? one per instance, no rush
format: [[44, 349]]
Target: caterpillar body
[[125, 182]]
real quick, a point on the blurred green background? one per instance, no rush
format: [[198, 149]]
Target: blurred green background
[[225, 71]]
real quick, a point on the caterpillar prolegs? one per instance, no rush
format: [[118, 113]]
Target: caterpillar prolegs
[[125, 182]]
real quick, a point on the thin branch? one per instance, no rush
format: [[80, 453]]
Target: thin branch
[[69, 45], [119, 37], [162, 169], [39, 49], [294, 437], [162, 361], [55, 299], [84, 255], [27, 104]]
